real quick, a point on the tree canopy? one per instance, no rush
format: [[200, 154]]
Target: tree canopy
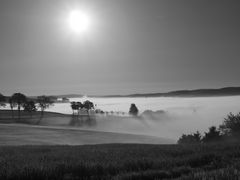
[[44, 102], [190, 138], [18, 99], [2, 100], [30, 106], [213, 135], [231, 125], [88, 105], [133, 110]]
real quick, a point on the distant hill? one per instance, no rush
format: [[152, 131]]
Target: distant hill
[[69, 96], [227, 91]]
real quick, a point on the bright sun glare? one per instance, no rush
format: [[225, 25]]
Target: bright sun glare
[[79, 21]]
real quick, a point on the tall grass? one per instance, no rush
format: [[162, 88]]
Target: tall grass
[[120, 161]]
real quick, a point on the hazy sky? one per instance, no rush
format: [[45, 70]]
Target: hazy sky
[[131, 46]]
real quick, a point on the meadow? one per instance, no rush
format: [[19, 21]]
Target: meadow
[[120, 161], [57, 129]]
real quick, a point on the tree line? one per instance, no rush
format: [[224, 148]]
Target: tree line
[[21, 101], [228, 131], [88, 105]]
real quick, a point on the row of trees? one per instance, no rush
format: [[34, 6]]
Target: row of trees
[[228, 131], [20, 100], [88, 105]]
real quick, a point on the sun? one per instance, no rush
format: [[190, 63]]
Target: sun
[[79, 21]]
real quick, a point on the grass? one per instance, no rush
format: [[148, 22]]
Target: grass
[[36, 160], [19, 134], [61, 129], [120, 161], [6, 116]]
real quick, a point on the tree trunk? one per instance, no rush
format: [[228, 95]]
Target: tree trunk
[[19, 113], [88, 115], [12, 113], [42, 113]]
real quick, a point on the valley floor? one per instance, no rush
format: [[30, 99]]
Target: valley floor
[[33, 150], [19, 134], [61, 129]]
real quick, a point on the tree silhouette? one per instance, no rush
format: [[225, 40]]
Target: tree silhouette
[[12, 105], [19, 99], [73, 106], [2, 100], [133, 110], [76, 106], [79, 106], [88, 105], [44, 102], [231, 125], [190, 138], [30, 107], [213, 135]]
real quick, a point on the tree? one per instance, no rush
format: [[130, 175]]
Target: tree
[[2, 100], [19, 99], [133, 110], [76, 106], [88, 105], [231, 125], [73, 106], [190, 138], [79, 106], [30, 106], [44, 102], [12, 105], [213, 135]]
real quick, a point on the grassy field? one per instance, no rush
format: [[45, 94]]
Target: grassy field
[[6, 116], [120, 161], [19, 134], [30, 150], [57, 129]]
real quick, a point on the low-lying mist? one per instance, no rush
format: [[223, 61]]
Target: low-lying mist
[[170, 117]]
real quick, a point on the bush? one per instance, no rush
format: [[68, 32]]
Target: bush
[[231, 125], [229, 131], [213, 135], [190, 138]]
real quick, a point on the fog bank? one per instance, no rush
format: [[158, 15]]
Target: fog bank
[[182, 115]]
